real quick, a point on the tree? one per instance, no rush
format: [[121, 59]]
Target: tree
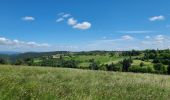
[[160, 68], [28, 61], [111, 67], [69, 63], [3, 61], [94, 66], [19, 62], [126, 64], [168, 69], [142, 64]]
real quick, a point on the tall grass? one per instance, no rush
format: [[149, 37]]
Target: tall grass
[[25, 83]]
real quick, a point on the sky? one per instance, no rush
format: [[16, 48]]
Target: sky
[[84, 25]]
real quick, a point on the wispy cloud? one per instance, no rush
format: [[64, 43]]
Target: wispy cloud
[[66, 15], [159, 39], [17, 43], [157, 18], [127, 37], [60, 20], [135, 32], [62, 16], [28, 18], [156, 40]]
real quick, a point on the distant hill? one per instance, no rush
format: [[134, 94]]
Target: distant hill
[[9, 52]]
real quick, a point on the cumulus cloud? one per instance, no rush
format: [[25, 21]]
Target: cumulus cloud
[[82, 26], [157, 18], [71, 21], [28, 18], [17, 43], [127, 37]]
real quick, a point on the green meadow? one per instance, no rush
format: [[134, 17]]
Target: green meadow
[[48, 83]]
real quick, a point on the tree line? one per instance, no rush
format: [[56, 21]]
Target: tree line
[[160, 59]]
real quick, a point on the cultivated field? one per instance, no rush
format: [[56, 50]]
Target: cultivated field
[[46, 83]]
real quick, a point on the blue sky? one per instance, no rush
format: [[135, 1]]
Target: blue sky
[[76, 25]]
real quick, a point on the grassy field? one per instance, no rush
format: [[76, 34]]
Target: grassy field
[[42, 83]]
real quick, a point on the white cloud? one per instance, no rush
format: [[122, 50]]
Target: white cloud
[[66, 15], [4, 41], [60, 19], [28, 18], [34, 44], [127, 37], [134, 32], [71, 21], [147, 37], [157, 18], [17, 43], [62, 16], [82, 26], [159, 39]]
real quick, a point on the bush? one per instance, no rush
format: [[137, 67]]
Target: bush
[[70, 64], [160, 68], [156, 61], [111, 67], [118, 67], [142, 64], [144, 69], [103, 67], [94, 66]]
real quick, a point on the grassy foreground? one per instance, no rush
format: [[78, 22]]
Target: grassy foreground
[[40, 83]]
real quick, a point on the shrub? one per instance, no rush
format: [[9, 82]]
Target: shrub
[[142, 64], [111, 67], [94, 66], [144, 69], [118, 67], [103, 67], [160, 68]]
